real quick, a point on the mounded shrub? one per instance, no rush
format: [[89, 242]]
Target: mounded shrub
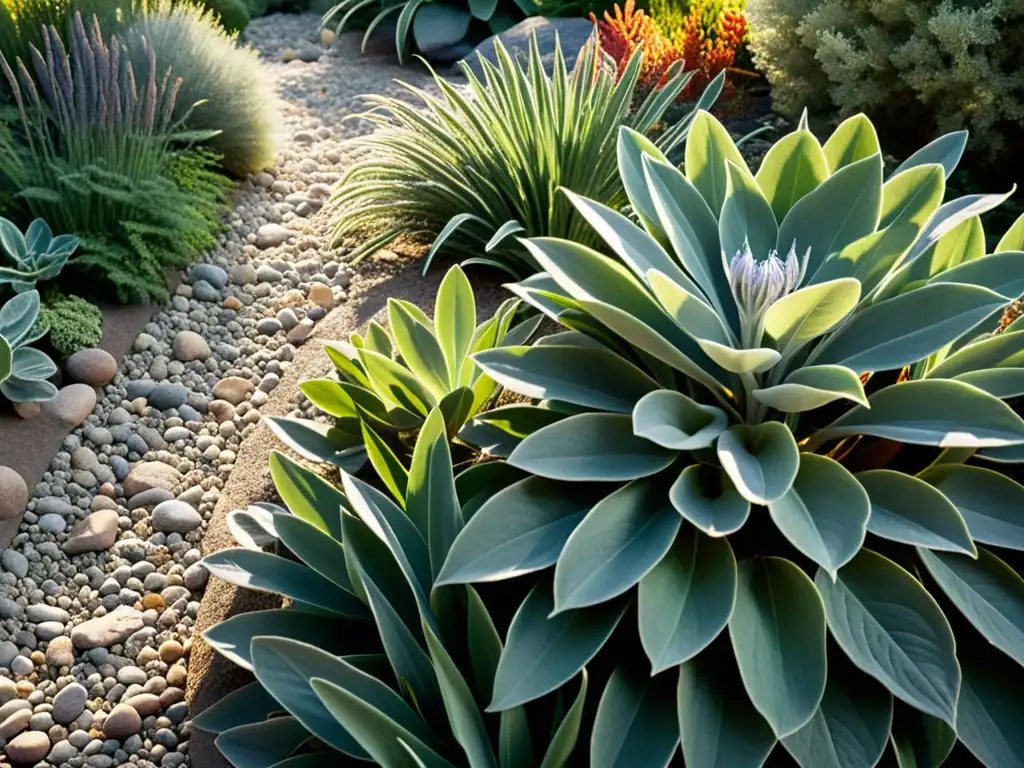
[[223, 85], [72, 323], [922, 66]]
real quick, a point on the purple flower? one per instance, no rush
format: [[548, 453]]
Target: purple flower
[[756, 285]]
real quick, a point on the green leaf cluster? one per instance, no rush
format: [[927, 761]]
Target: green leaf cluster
[[36, 255], [24, 371], [388, 382], [471, 169]]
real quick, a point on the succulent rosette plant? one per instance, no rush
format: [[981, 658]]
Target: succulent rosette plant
[[774, 442]]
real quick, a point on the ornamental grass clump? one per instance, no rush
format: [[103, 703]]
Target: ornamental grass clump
[[469, 170], [786, 398], [94, 138]]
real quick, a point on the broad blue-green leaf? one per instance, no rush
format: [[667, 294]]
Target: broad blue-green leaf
[[905, 508], [989, 502], [951, 215], [330, 397], [1004, 350], [388, 467], [463, 713], [320, 442], [590, 377], [812, 387], [999, 272], [638, 250], [708, 148], [395, 384], [232, 637], [261, 745], [762, 460], [746, 217], [794, 166], [687, 598], [431, 501], [249, 704], [438, 25], [919, 740], [891, 628], [988, 717], [542, 653], [691, 312], [318, 551], [949, 414], [945, 150], [1013, 240], [455, 320], [619, 541], [854, 139], [907, 328], [518, 530], [778, 635], [591, 446], [755, 360], [390, 525], [499, 430], [308, 495], [285, 667], [692, 229], [674, 421], [912, 196], [706, 496], [386, 741], [31, 364], [515, 745], [563, 742], [635, 722], [850, 728], [825, 513], [484, 643], [630, 148], [269, 573], [805, 314], [719, 726], [844, 208], [18, 317], [987, 591], [1003, 383]]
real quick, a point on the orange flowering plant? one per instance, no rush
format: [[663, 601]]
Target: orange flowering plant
[[706, 45]]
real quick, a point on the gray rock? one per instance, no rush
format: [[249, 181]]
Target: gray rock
[[136, 389], [23, 666], [13, 494], [210, 273], [149, 498], [48, 630], [69, 703], [15, 562], [9, 609], [95, 367], [243, 274], [40, 612], [154, 439], [99, 436], [94, 534], [115, 627], [122, 722], [62, 753], [573, 33], [52, 523], [72, 404], [16, 723], [151, 474], [287, 318], [203, 291], [195, 577], [15, 705], [174, 434], [167, 396], [272, 235], [268, 326], [120, 466], [175, 517], [28, 748], [8, 652], [267, 274], [189, 346]]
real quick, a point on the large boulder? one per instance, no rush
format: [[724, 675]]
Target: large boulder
[[572, 33]]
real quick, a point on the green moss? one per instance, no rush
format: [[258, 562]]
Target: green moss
[[73, 323]]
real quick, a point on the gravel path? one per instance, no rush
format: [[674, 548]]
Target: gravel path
[[100, 589]]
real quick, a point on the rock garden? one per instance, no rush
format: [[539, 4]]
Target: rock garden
[[523, 383]]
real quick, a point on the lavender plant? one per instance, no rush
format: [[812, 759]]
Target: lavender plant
[[95, 135]]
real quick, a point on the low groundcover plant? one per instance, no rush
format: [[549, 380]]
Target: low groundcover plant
[[757, 499]]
